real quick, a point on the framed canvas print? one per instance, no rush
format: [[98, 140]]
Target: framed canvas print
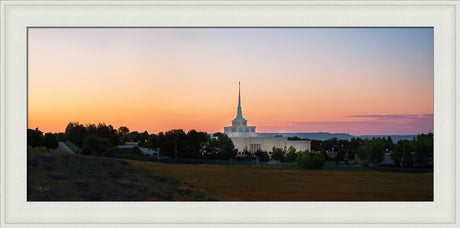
[[214, 113]]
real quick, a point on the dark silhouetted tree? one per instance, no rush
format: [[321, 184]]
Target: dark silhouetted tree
[[143, 139], [75, 132], [34, 137], [153, 141], [261, 155], [316, 145], [423, 148], [50, 140], [93, 144], [134, 136], [173, 143], [221, 147], [196, 143], [123, 133], [389, 143]]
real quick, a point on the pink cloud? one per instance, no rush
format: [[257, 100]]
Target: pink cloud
[[371, 125], [394, 117]]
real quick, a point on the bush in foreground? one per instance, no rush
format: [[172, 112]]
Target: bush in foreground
[[308, 160]]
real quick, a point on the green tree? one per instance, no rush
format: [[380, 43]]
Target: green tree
[[173, 143], [291, 154], [305, 160], [61, 136], [75, 132], [397, 153], [402, 154], [407, 158], [143, 139], [342, 149], [377, 150], [297, 138], [278, 154], [51, 141], [262, 155], [308, 160], [212, 150], [353, 146], [316, 145], [90, 144], [317, 162], [162, 144], [363, 149], [389, 143], [196, 143], [423, 146], [85, 149], [123, 133], [134, 136], [34, 137], [108, 132], [153, 141], [90, 129], [329, 143], [338, 156], [93, 144], [323, 154], [221, 147]]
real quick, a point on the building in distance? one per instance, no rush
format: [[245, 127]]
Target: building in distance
[[245, 138]]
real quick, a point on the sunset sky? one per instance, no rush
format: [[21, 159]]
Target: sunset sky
[[359, 81]]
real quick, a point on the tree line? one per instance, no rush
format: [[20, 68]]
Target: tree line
[[103, 139], [193, 144], [305, 159], [405, 153], [36, 138], [418, 152]]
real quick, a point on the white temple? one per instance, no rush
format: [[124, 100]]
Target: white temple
[[245, 137], [240, 126]]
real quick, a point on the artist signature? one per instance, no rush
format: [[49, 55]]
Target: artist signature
[[42, 188]]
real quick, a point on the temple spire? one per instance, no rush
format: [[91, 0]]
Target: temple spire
[[239, 114]]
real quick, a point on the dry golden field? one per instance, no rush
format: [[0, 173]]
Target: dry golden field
[[57, 176], [262, 183]]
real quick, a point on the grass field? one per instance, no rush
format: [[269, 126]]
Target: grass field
[[263, 183], [53, 176]]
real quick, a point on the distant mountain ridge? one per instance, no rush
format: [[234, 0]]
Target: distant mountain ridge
[[327, 135]]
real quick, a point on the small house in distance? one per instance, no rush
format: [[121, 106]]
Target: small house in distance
[[143, 150], [245, 137]]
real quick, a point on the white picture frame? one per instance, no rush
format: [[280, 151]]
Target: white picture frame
[[17, 16]]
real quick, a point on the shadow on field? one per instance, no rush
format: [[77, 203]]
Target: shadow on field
[[55, 176]]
